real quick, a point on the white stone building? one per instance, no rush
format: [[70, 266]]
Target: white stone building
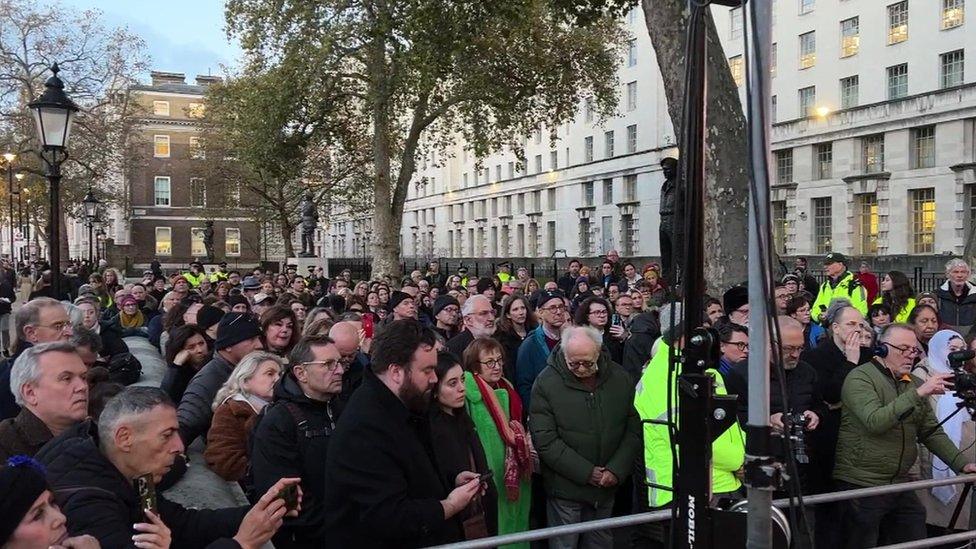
[[874, 147]]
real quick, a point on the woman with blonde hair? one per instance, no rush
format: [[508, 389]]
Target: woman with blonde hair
[[246, 392]]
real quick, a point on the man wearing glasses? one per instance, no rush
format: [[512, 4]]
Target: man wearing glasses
[[292, 439], [40, 320], [552, 312], [478, 319], [885, 415]]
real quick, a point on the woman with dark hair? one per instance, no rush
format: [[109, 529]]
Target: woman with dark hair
[[279, 326], [514, 324], [581, 292], [926, 322], [596, 312], [175, 316], [496, 411], [455, 443], [897, 293], [97, 284], [879, 316], [799, 308], [187, 351], [223, 291], [113, 281]]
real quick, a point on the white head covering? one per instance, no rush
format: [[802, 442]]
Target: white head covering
[[946, 405]]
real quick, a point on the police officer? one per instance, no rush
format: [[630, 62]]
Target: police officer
[[195, 275], [220, 274], [840, 283]]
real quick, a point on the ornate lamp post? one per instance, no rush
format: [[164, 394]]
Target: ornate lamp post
[[90, 204], [9, 158], [54, 113]]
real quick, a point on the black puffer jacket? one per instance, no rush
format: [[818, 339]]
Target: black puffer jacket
[[97, 500], [644, 330], [801, 390], [282, 449], [195, 411], [957, 311]]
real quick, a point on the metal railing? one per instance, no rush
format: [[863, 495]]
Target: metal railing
[[665, 514]]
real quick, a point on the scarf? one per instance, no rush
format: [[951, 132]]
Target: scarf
[[947, 404], [518, 460], [134, 321]]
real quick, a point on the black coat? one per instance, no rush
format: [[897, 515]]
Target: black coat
[[196, 408], [382, 488], [510, 343], [97, 500], [801, 390], [644, 330], [280, 449], [176, 379], [456, 445], [7, 284], [8, 404], [112, 342], [459, 343]]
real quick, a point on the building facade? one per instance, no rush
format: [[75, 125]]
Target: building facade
[[169, 201], [874, 148]]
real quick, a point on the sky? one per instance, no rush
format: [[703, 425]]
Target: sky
[[181, 35]]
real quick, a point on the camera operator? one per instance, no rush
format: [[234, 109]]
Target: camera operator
[[884, 415]]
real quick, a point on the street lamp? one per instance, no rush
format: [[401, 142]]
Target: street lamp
[[90, 204], [20, 214], [53, 114], [9, 158]]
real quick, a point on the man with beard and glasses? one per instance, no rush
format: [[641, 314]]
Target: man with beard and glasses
[[381, 487], [478, 319]]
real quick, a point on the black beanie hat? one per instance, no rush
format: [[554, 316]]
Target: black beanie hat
[[443, 301], [484, 283], [235, 328], [396, 298], [208, 316], [735, 297], [237, 300], [21, 483]]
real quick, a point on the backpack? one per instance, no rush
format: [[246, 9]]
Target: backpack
[[124, 368]]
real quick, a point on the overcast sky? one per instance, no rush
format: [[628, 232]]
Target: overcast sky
[[181, 35]]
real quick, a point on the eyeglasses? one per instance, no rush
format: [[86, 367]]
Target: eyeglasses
[[493, 363], [792, 349], [57, 326], [581, 365], [329, 365], [554, 309], [906, 351], [601, 312], [742, 346]]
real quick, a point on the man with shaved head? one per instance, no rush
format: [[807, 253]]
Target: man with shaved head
[[348, 337]]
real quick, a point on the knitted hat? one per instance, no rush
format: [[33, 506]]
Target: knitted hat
[[235, 328], [542, 297], [126, 300], [396, 298], [237, 300], [21, 483], [208, 316], [735, 297], [444, 301]]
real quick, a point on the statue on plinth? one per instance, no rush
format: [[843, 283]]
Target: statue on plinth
[[310, 221]]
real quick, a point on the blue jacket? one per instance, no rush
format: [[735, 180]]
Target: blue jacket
[[532, 356]]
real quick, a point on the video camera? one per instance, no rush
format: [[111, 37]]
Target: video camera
[[796, 425], [964, 382]]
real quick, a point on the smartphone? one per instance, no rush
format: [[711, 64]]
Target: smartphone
[[616, 319], [368, 324], [146, 489], [290, 495]]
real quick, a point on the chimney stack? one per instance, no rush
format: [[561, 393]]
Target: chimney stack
[[206, 80], [161, 77]]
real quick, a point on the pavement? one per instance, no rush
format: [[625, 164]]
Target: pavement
[[200, 487]]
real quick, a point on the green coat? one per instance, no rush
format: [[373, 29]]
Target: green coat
[[872, 437], [513, 516], [575, 430]]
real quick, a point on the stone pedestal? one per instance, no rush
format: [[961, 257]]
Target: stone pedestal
[[304, 262]]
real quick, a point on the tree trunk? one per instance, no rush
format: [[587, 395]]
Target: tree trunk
[[726, 154], [287, 233], [386, 224]]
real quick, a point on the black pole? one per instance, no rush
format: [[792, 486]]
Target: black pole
[[20, 221], [54, 224], [10, 200], [91, 257]]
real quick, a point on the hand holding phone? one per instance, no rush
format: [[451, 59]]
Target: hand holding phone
[[146, 489]]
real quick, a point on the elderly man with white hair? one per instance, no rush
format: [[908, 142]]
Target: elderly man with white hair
[[587, 433], [478, 319], [957, 297]]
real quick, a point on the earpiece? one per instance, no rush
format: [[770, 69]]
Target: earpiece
[[880, 351]]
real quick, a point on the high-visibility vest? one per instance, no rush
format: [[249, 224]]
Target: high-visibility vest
[[900, 317], [218, 276], [847, 288], [504, 277], [193, 279], [651, 402]]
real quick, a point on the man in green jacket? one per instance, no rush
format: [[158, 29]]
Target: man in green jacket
[[586, 431], [885, 416]]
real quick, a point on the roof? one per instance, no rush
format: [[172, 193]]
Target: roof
[[188, 89]]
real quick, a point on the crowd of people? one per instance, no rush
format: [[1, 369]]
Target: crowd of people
[[446, 407]]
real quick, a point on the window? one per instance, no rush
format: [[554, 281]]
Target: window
[[778, 216], [198, 193], [923, 147], [784, 166], [232, 242], [196, 148], [538, 136], [506, 240], [508, 205], [631, 96], [922, 203], [952, 68], [808, 100], [849, 92], [806, 6], [196, 110], [551, 198], [735, 23], [898, 81], [953, 13], [898, 22], [537, 201], [164, 241], [553, 160], [822, 224], [520, 240], [866, 224], [772, 108], [161, 146], [464, 181], [630, 188], [588, 149], [584, 237], [735, 66], [627, 234], [551, 235], [808, 50], [850, 37], [823, 167], [872, 153], [969, 210], [608, 191], [197, 248], [772, 61], [632, 53], [632, 138], [161, 194], [588, 109], [161, 108], [498, 172], [521, 203], [511, 170], [538, 163], [588, 193], [608, 144], [632, 16]]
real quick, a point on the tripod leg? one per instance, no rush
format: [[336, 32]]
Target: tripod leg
[[955, 512]]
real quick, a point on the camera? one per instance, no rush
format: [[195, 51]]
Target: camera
[[796, 425], [964, 382]]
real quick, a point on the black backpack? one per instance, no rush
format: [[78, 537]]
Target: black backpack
[[124, 368]]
